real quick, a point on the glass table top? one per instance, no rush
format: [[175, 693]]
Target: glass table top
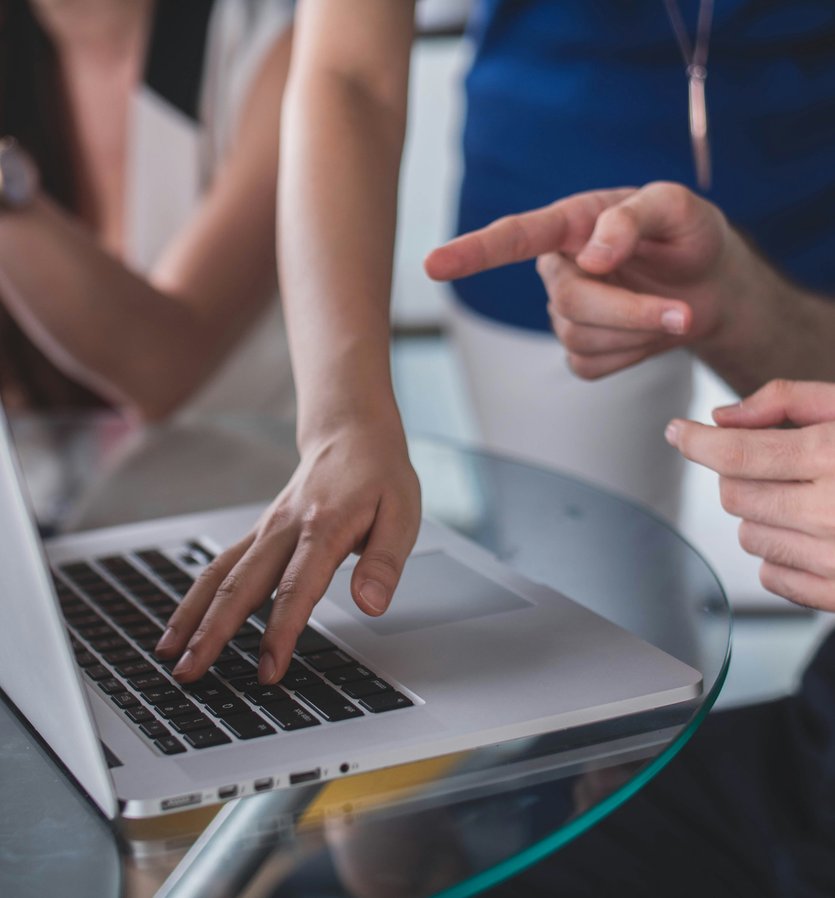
[[450, 826]]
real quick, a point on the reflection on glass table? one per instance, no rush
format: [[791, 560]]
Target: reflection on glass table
[[454, 824]]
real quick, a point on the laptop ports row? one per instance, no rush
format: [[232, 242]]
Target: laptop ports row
[[306, 776]]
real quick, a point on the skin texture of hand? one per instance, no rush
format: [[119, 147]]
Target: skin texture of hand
[[629, 273], [780, 482], [354, 491]]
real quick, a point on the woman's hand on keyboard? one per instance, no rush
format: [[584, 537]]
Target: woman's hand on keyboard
[[353, 491]]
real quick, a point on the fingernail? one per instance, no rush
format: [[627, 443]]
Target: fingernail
[[733, 407], [671, 434], [597, 252], [673, 321], [266, 668], [185, 664], [374, 595], [166, 640]]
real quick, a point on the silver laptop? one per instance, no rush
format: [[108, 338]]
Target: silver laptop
[[469, 654]]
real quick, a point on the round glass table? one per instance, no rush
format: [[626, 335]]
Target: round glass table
[[452, 826]]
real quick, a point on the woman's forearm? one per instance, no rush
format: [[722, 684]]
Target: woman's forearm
[[342, 143], [97, 320]]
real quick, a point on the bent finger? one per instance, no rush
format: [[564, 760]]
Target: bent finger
[[790, 506], [659, 211], [780, 455], [592, 302], [789, 548], [800, 402], [305, 580], [800, 587], [380, 565]]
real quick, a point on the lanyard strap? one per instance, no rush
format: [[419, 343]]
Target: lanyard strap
[[695, 61]]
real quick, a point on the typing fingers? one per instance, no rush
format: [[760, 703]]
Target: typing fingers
[[316, 557], [246, 586], [185, 620]]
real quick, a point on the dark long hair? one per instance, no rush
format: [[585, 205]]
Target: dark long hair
[[35, 110]]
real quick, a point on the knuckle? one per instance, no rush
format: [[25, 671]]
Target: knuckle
[[584, 367], [729, 495], [547, 266], [675, 196], [384, 563], [747, 536], [772, 580]]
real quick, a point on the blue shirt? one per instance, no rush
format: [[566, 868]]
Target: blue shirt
[[570, 95]]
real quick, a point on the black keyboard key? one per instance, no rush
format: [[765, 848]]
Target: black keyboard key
[[91, 632], [385, 701], [153, 729], [107, 643], [130, 668], [128, 617], [161, 694], [328, 703], [323, 661], [235, 668], [85, 659], [124, 700], [340, 676], [207, 738], [300, 677], [311, 641], [180, 583], [260, 695], [181, 707], [97, 672], [226, 707], [83, 617], [248, 643], [168, 745], [149, 643], [148, 629], [150, 680], [110, 685], [208, 689], [122, 656], [366, 687], [290, 715], [139, 714], [192, 722], [248, 726]]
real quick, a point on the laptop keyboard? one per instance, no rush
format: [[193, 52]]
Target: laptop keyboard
[[115, 609]]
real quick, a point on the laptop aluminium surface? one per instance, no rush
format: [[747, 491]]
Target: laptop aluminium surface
[[470, 653]]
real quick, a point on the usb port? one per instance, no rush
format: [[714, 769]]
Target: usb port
[[263, 785], [227, 792], [308, 776]]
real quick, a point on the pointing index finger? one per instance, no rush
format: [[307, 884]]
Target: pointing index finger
[[565, 225]]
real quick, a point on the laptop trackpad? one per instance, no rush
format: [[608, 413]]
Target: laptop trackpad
[[435, 589]]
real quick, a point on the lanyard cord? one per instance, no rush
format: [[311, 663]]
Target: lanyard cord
[[693, 56]]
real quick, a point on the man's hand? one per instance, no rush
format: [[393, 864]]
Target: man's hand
[[780, 482], [354, 491], [629, 273]]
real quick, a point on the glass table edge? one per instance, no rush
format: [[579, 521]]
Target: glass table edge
[[526, 858]]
